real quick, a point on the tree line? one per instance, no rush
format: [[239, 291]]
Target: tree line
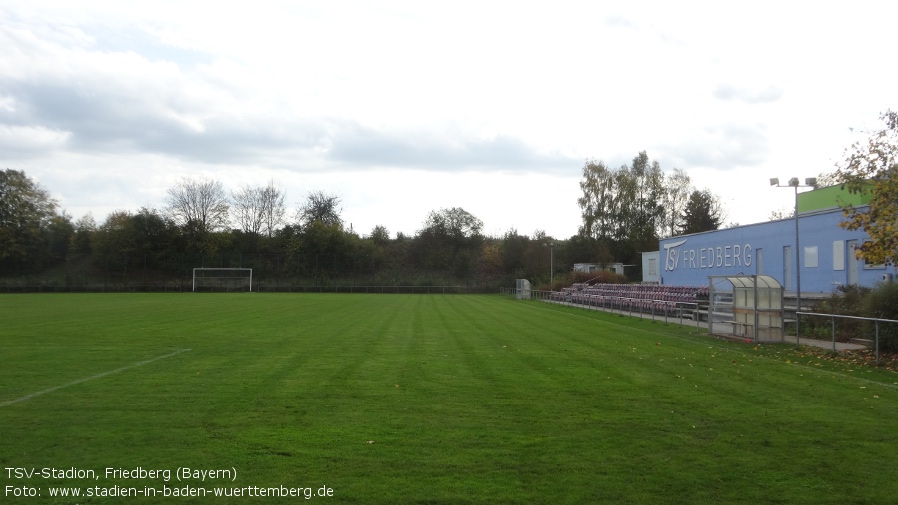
[[624, 211], [202, 224], [627, 210]]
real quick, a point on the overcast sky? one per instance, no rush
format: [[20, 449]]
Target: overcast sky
[[401, 108]]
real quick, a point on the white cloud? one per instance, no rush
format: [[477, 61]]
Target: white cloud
[[29, 141], [721, 147], [729, 92], [513, 96], [444, 149]]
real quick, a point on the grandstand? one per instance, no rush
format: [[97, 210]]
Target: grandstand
[[689, 302]]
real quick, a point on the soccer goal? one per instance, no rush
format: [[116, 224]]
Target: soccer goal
[[222, 279]]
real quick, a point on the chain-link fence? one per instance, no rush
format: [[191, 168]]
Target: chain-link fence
[[273, 272], [258, 288]]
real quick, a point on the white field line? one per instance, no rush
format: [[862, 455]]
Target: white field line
[[92, 377]]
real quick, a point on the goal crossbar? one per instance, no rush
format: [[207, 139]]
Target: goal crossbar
[[248, 274]]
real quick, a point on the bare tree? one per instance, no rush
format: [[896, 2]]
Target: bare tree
[[781, 213], [322, 207], [273, 208], [246, 209], [258, 209], [201, 205]]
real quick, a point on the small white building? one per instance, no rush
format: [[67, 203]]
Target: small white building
[[650, 272], [617, 268]]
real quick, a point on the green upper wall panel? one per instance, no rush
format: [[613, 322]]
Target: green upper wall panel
[[828, 198]]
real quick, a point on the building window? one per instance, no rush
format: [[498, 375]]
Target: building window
[[838, 255], [653, 266], [811, 257]]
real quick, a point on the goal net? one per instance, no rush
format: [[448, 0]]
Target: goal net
[[222, 279]]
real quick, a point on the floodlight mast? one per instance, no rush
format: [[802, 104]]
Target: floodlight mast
[[551, 246], [793, 183]]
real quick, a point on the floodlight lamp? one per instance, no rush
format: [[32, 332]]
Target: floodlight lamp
[[774, 181], [811, 181], [793, 182]]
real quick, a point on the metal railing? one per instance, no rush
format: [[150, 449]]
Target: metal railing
[[621, 305], [833, 317], [625, 306]]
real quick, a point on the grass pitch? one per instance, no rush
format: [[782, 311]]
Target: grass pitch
[[420, 399]]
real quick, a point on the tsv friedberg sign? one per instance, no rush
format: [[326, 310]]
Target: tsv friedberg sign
[[734, 255]]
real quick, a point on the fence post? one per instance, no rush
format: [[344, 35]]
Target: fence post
[[833, 319], [877, 342]]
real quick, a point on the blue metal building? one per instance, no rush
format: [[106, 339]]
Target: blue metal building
[[826, 254]]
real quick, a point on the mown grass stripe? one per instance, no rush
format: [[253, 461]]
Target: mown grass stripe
[[467, 399]]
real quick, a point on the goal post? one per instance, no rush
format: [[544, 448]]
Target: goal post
[[222, 279]]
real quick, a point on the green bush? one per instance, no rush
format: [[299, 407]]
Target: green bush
[[848, 300], [844, 301], [882, 303]]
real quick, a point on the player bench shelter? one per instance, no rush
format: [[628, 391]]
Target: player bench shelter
[[749, 306]]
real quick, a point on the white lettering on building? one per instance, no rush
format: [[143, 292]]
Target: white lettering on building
[[723, 256]]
